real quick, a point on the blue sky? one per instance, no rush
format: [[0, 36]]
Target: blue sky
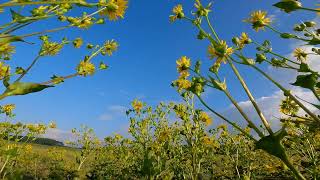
[[144, 66]]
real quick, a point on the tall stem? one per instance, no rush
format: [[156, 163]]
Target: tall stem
[[244, 115], [253, 101], [4, 165], [294, 170], [287, 92], [225, 119]]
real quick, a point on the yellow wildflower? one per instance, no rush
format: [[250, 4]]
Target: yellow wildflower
[[8, 108], [85, 23], [259, 20], [85, 68], [137, 105], [77, 43], [164, 135], [4, 70], [288, 106], [244, 39], [52, 125], [207, 140], [11, 146], [183, 83], [184, 74], [114, 8], [177, 13], [110, 47], [300, 54], [28, 148], [222, 126], [50, 48], [204, 117], [6, 50], [183, 64], [220, 51]]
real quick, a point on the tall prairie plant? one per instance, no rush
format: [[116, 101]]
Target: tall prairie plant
[[18, 17], [25, 13], [196, 79]]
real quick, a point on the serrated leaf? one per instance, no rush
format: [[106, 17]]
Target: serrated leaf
[[16, 17], [272, 144], [304, 68], [308, 81]]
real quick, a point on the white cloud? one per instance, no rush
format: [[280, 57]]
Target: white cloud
[[113, 112], [59, 135], [270, 104], [270, 107]]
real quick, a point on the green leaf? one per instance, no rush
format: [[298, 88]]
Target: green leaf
[[16, 16], [288, 6], [272, 144], [21, 88], [4, 39], [218, 85], [308, 81], [103, 66], [304, 68], [314, 41]]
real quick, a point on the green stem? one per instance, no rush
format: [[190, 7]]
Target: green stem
[[315, 93], [9, 4], [28, 69], [294, 37], [310, 9], [276, 54], [234, 102], [254, 103], [293, 169], [225, 119], [212, 29], [244, 115], [5, 163], [287, 92], [6, 25], [64, 78]]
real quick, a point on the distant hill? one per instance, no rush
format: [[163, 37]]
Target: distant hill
[[42, 141]]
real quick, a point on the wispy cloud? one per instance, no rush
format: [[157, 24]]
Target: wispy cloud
[[59, 135], [113, 112]]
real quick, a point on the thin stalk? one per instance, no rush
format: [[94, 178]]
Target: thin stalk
[[310, 9], [253, 101], [15, 27], [5, 163], [244, 115], [294, 37], [315, 93], [9, 4], [234, 102], [34, 62], [276, 54], [290, 165], [46, 31], [225, 119], [28, 69], [212, 29], [64, 78], [6, 25], [287, 92]]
